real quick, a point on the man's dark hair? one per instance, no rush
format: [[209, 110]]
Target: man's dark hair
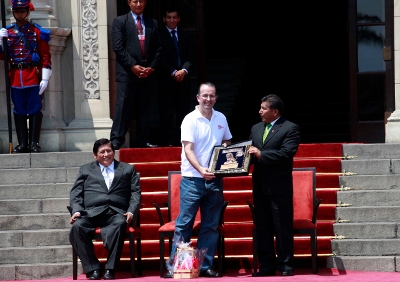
[[100, 142], [171, 9], [274, 102]]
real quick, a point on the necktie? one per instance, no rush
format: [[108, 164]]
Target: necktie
[[107, 177], [175, 39], [139, 28], [266, 130]]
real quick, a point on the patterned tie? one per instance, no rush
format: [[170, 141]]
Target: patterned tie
[[266, 130], [173, 33], [140, 34]]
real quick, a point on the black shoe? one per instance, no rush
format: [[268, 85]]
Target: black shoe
[[35, 148], [109, 275], [21, 149], [116, 146], [287, 273], [263, 273], [169, 274], [95, 275], [148, 145], [210, 273]]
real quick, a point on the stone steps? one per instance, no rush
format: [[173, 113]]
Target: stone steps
[[34, 221], [367, 213], [29, 206], [33, 238]]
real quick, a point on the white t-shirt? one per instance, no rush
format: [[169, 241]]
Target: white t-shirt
[[204, 134]]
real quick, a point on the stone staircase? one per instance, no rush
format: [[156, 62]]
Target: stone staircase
[[34, 221], [368, 212]]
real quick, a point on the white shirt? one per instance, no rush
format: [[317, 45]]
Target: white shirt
[[204, 134]]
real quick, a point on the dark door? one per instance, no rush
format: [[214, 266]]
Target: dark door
[[192, 20], [371, 68]]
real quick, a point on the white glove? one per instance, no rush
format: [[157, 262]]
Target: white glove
[[3, 33], [46, 73], [42, 86]]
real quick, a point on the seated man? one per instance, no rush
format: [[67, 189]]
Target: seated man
[[106, 194]]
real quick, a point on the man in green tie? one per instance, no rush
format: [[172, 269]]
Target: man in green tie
[[275, 141]]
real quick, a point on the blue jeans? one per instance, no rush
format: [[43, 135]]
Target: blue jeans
[[208, 195]]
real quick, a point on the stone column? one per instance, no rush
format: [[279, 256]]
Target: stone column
[[393, 122], [91, 20]]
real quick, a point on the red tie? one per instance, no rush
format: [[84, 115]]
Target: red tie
[[140, 34]]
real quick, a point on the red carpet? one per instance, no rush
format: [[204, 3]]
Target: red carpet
[[301, 275], [154, 164]]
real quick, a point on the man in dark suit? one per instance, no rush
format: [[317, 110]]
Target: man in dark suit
[[106, 194], [173, 76], [137, 49], [275, 141]]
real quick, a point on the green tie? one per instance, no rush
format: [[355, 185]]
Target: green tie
[[267, 127]]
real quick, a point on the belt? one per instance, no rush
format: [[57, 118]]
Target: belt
[[23, 66]]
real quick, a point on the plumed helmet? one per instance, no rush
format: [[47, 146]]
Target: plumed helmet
[[18, 4]]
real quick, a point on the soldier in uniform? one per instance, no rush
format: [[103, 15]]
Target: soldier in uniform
[[30, 71]]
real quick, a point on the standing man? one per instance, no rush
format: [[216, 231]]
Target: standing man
[[275, 141], [176, 60], [137, 49], [106, 194], [30, 71], [201, 130]]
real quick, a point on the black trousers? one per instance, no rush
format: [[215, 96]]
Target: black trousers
[[113, 229], [132, 98], [274, 217], [174, 104]]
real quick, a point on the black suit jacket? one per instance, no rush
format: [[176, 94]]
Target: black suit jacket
[[169, 54], [90, 195], [127, 50], [272, 173]]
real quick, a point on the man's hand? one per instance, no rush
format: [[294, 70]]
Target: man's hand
[[129, 217], [253, 150], [74, 217], [46, 74], [141, 72], [42, 86], [3, 33], [179, 75], [207, 175]]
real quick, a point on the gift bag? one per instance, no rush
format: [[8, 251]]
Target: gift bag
[[187, 260]]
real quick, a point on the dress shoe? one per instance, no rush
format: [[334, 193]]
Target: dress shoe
[[210, 273], [35, 148], [148, 145], [23, 148], [287, 273], [116, 146], [109, 274], [95, 275], [169, 274], [263, 273]]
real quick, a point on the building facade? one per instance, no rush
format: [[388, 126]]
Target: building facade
[[77, 104]]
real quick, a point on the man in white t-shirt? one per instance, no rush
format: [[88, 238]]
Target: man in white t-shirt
[[201, 130]]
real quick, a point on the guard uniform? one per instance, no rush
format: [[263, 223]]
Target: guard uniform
[[30, 64]]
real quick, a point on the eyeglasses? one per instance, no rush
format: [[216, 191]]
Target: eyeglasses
[[211, 97]]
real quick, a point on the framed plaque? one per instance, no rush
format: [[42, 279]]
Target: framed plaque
[[233, 160]]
